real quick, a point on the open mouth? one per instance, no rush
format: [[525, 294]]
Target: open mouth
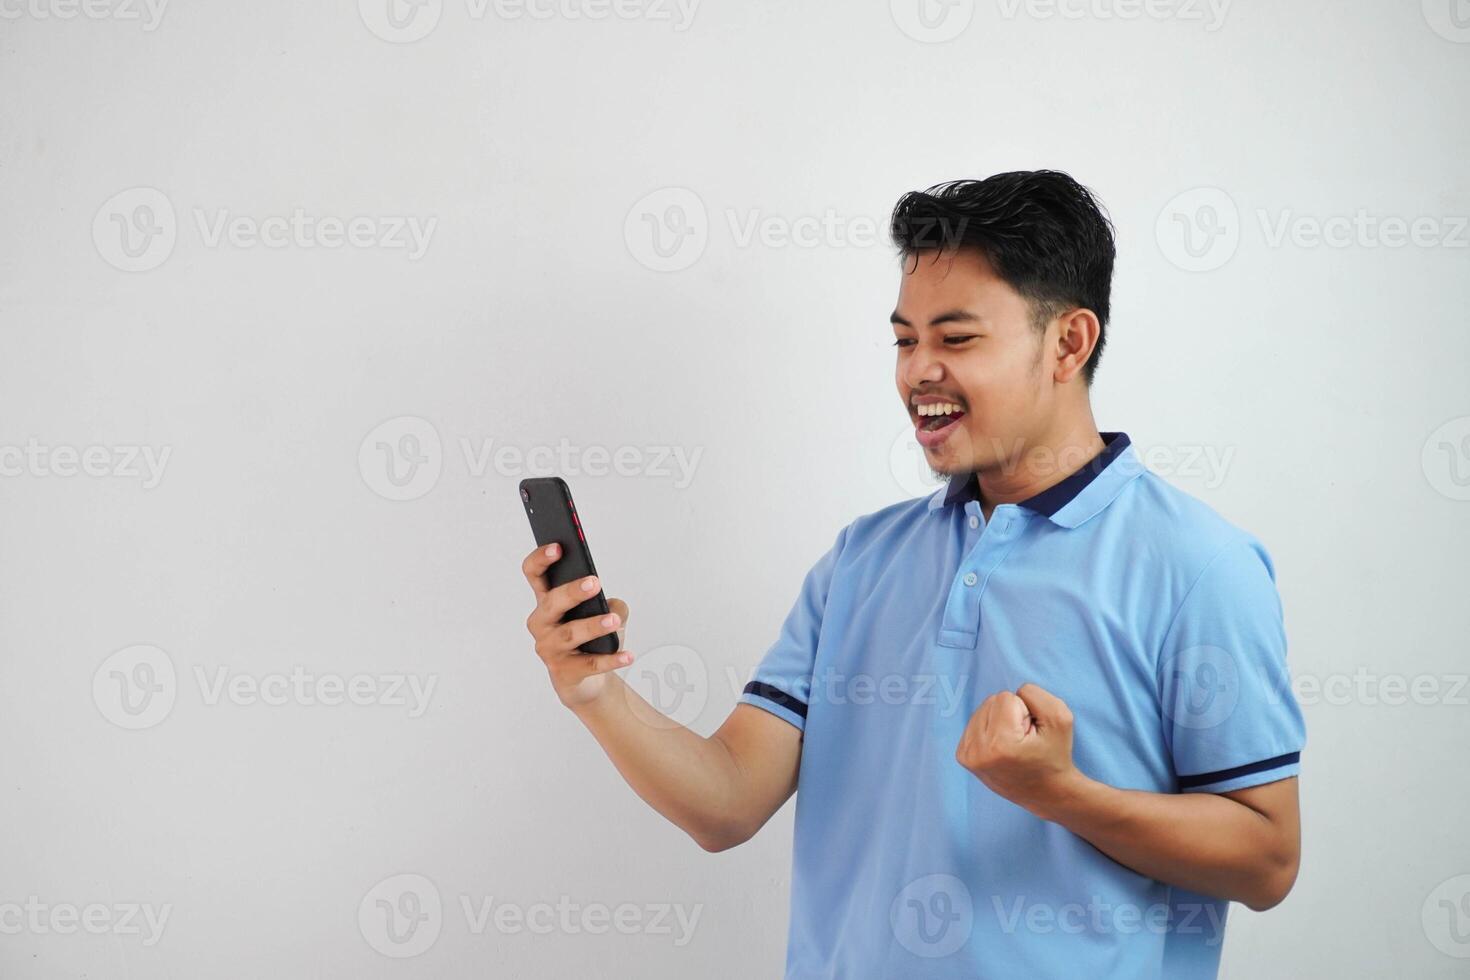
[[932, 418], [936, 423]]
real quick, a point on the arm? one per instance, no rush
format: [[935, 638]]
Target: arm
[[1243, 845], [720, 790]]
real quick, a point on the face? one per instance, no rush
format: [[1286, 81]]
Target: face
[[965, 337]]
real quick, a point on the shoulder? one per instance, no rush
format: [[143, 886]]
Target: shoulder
[[1193, 545], [890, 526]]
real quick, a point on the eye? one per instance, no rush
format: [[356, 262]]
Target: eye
[[959, 338], [903, 342]]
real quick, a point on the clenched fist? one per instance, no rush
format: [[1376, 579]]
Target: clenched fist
[[1020, 745]]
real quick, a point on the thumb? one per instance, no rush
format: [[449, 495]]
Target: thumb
[[1049, 710]]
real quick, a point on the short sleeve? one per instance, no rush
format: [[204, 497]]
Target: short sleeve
[[1231, 720], [782, 682]]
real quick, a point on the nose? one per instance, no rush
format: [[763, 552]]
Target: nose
[[923, 366]]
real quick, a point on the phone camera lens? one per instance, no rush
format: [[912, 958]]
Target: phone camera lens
[[526, 496]]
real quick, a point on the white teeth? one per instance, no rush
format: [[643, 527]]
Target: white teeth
[[943, 408]]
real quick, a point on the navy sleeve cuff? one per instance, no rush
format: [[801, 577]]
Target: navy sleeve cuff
[[1264, 768], [777, 702]]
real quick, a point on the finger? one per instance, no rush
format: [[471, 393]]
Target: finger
[[535, 565], [620, 608], [1011, 719], [984, 715], [601, 663], [1049, 710], [565, 638], [552, 605]]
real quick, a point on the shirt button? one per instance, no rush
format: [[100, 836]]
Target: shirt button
[[974, 522], [971, 578]]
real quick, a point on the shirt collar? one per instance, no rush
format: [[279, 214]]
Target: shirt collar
[[1073, 500]]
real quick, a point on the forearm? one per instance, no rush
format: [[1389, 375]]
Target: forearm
[[1204, 842], [692, 780]]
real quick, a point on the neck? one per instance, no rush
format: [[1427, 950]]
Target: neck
[[1042, 462]]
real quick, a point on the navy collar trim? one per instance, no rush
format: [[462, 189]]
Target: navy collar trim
[[967, 487]]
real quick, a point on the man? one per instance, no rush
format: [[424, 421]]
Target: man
[[1040, 720]]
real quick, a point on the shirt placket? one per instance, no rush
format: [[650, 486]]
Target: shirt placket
[[986, 546]]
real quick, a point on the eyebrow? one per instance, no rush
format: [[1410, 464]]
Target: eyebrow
[[948, 316]]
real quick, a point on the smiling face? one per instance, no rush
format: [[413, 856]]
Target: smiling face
[[965, 337]]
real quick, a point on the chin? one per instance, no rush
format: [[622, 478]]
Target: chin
[[943, 467]]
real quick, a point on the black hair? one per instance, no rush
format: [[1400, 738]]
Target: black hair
[[1046, 235]]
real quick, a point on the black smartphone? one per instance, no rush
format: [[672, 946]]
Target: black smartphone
[[554, 520]]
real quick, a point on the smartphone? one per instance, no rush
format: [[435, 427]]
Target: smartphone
[[554, 520]]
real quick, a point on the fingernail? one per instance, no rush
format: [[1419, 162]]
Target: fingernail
[[610, 620], [626, 658], [589, 584], [551, 551]]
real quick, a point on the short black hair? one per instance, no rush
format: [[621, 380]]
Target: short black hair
[[1046, 235]]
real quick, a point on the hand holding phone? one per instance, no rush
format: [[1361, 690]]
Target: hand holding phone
[[557, 571], [554, 520]]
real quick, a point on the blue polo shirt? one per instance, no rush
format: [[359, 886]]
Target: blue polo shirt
[[1156, 620]]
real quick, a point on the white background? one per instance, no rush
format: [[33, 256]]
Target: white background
[[540, 311]]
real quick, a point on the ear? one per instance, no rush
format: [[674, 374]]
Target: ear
[[1077, 333]]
